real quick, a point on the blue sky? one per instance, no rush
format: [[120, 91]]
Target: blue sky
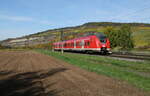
[[23, 17]]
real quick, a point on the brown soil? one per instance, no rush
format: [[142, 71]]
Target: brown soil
[[27, 73]]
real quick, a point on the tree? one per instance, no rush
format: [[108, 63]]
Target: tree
[[125, 40], [112, 34], [120, 38], [1, 47]]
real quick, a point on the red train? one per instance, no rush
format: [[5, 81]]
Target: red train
[[92, 43]]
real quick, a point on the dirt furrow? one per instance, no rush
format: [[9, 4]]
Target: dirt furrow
[[35, 74]]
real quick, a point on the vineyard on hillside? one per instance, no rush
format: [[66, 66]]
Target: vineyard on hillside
[[46, 38]]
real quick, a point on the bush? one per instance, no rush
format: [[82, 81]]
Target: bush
[[120, 38]]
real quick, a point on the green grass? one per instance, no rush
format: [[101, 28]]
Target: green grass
[[142, 37], [135, 73]]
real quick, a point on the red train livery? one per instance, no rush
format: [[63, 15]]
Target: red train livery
[[92, 43]]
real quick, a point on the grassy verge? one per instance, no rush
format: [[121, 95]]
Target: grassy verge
[[135, 73]]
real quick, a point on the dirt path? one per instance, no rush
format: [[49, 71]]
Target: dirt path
[[26, 73]]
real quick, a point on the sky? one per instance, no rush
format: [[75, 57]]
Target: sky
[[24, 17]]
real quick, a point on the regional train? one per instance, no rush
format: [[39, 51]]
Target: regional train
[[92, 43]]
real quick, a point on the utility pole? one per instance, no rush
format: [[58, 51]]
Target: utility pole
[[61, 38], [27, 42]]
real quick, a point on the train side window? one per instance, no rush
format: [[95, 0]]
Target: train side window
[[77, 44], [81, 43], [72, 44], [65, 45], [68, 44], [88, 43], [85, 44]]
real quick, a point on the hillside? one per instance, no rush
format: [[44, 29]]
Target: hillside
[[141, 34]]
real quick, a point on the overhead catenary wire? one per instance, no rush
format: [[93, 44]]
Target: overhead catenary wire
[[132, 13]]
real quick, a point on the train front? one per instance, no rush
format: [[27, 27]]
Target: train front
[[104, 44]]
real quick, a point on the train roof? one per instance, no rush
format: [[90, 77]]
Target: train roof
[[99, 35]]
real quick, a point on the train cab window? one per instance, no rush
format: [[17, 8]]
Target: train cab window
[[102, 38]]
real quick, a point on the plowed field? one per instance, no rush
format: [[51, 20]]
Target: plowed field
[[27, 73]]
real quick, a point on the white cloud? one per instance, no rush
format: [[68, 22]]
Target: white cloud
[[16, 18], [23, 19]]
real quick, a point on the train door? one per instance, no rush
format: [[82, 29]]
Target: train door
[[82, 44], [74, 44]]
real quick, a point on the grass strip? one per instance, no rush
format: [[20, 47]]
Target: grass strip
[[110, 67]]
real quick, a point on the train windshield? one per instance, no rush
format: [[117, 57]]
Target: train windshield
[[102, 38]]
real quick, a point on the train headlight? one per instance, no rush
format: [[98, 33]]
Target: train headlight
[[108, 49]]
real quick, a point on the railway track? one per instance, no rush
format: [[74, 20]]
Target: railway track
[[127, 56]]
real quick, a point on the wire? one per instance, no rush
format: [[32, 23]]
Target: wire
[[130, 14]]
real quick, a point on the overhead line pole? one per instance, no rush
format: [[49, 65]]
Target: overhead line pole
[[61, 38]]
